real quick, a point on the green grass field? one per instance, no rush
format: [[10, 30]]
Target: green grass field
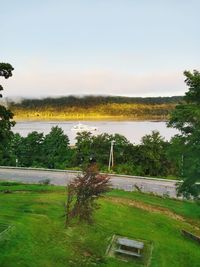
[[38, 238]]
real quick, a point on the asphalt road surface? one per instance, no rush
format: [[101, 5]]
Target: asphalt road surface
[[128, 183]]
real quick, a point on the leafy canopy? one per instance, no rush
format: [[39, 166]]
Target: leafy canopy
[[6, 115], [186, 118]]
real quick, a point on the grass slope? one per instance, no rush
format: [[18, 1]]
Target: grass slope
[[39, 239]]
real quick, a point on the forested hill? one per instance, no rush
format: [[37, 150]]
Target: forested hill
[[88, 101], [95, 107]]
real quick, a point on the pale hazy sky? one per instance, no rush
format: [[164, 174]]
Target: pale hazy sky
[[126, 47]]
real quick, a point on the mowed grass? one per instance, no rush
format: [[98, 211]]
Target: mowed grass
[[38, 237], [188, 209]]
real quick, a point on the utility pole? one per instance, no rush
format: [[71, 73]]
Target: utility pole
[[182, 158], [111, 157]]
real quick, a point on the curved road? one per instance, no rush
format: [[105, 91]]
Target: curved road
[[58, 177]]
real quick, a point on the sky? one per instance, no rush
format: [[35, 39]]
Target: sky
[[103, 47]]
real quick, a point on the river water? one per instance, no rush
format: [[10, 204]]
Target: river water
[[132, 130]]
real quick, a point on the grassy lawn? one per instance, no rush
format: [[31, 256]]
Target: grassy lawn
[[38, 237], [188, 209]]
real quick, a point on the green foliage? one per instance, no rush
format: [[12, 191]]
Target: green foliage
[[55, 149], [5, 118], [98, 147], [83, 148], [6, 70], [31, 149], [150, 158], [153, 157], [83, 193], [128, 169], [186, 118], [193, 82], [88, 101], [26, 151], [175, 155], [37, 150], [16, 149]]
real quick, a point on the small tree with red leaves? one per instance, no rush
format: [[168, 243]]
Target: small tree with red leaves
[[83, 192]]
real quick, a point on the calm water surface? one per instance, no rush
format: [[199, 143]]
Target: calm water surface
[[132, 130]]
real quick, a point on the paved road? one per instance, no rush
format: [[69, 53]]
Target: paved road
[[128, 183]]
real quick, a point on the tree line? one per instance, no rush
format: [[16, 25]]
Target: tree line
[[89, 101], [150, 158]]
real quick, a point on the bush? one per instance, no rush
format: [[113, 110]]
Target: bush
[[128, 169], [45, 182]]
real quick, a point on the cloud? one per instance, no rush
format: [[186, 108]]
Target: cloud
[[36, 82]]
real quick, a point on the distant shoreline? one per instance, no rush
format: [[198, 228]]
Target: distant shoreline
[[89, 118]]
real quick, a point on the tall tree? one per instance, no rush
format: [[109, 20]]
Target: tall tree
[[83, 148], [6, 116], [186, 118], [30, 151], [56, 151], [153, 156]]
